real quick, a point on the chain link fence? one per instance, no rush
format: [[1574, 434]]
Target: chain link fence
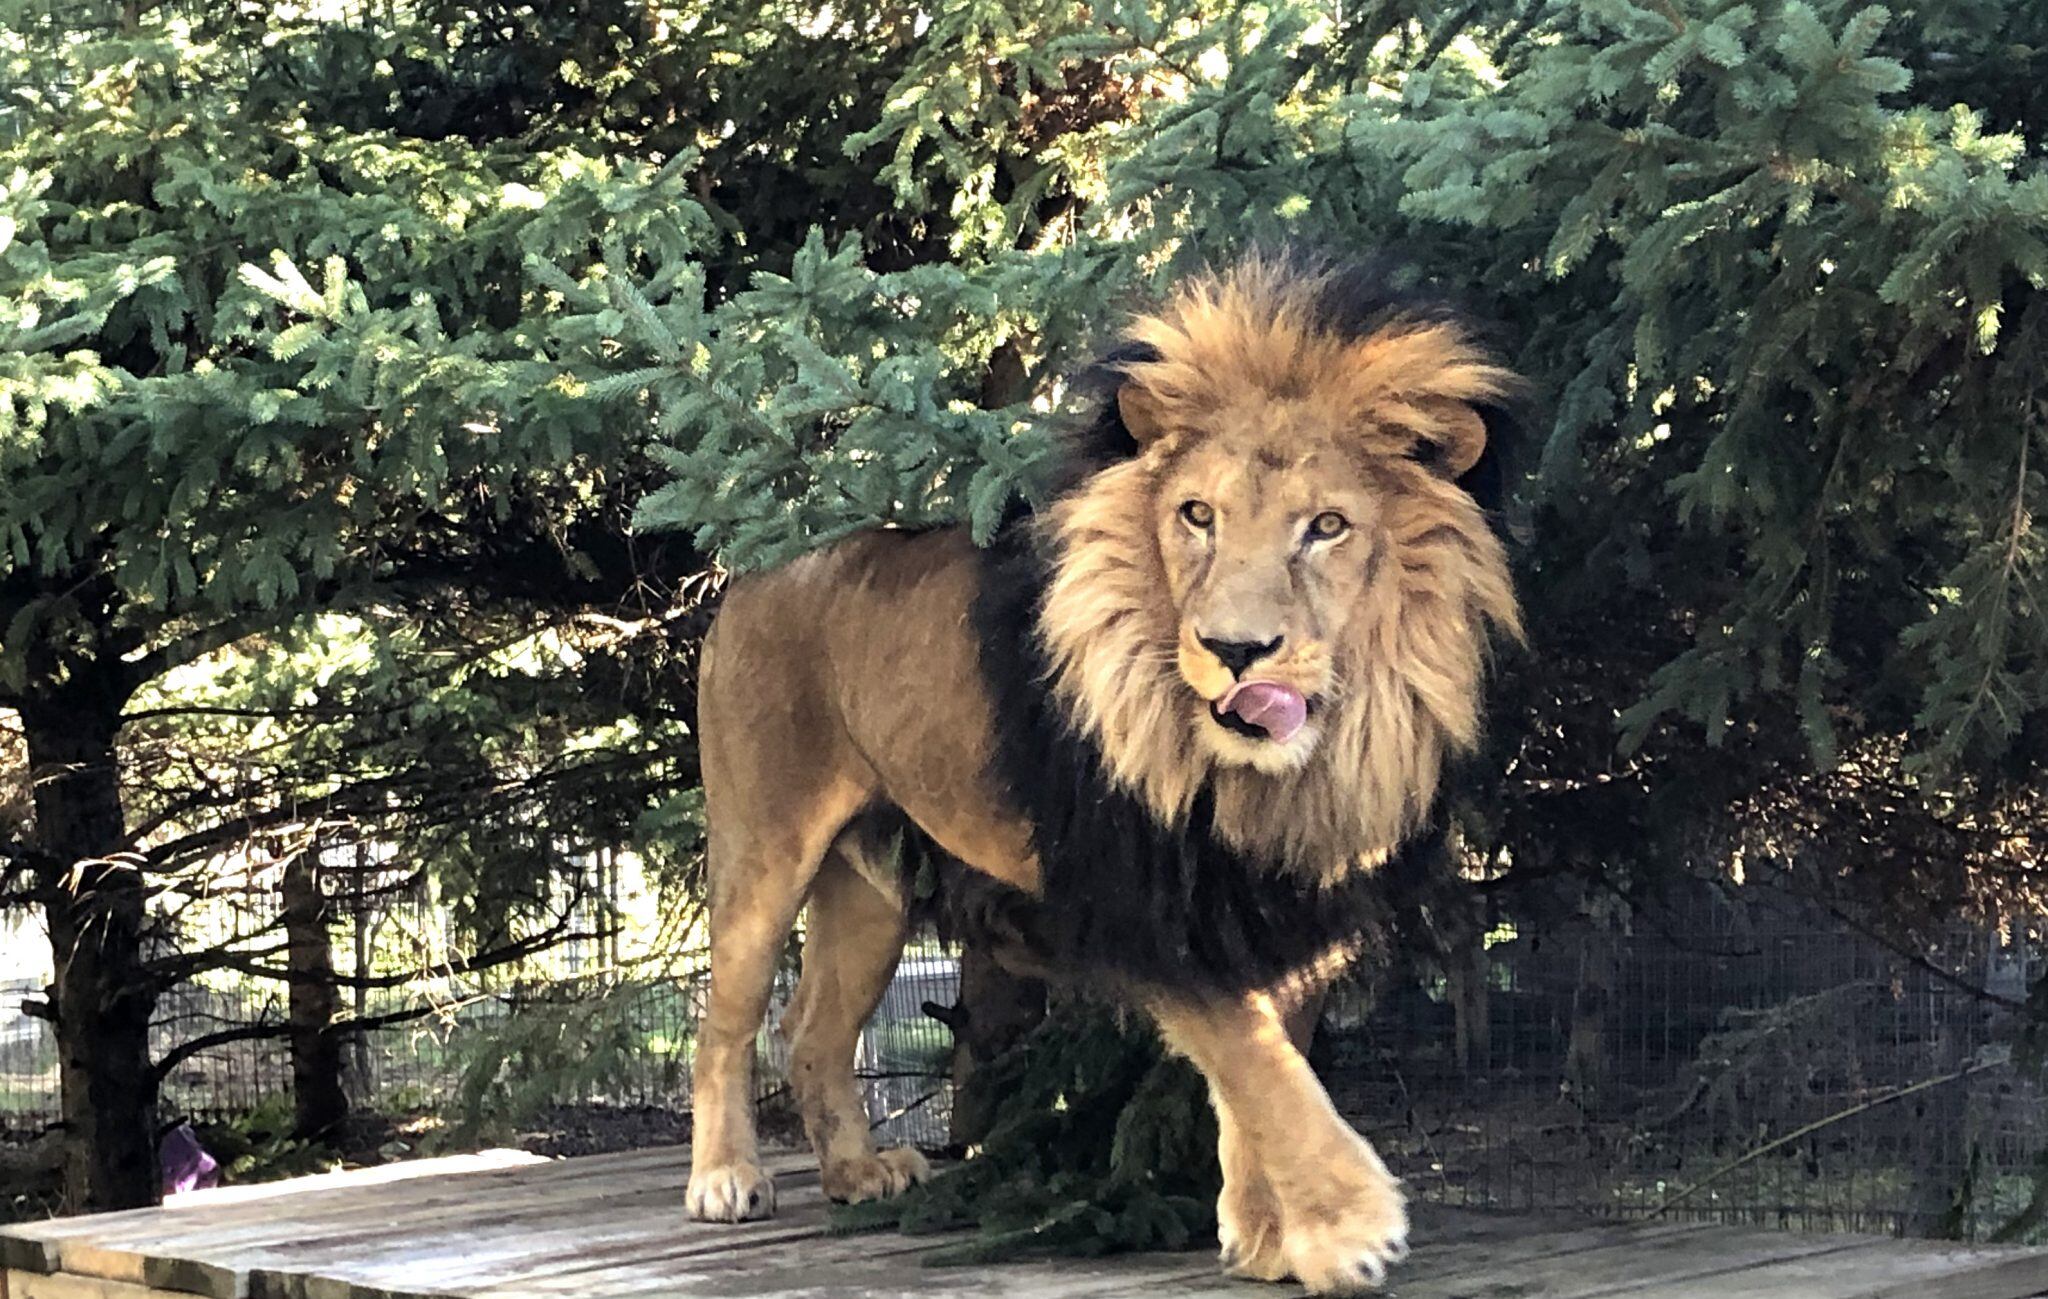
[[629, 1048], [1733, 1054]]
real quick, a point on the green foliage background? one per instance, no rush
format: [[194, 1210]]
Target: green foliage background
[[468, 345]]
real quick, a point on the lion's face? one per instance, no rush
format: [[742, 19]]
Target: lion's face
[[1284, 596], [1268, 539]]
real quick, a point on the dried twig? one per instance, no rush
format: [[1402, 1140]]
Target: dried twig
[[1752, 1156]]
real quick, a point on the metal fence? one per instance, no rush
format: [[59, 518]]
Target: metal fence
[[1734, 1054], [28, 1059], [630, 1048]]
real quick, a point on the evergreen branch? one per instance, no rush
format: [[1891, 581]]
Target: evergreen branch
[[26, 874], [1670, 12], [2021, 1225], [1919, 961], [323, 711], [182, 966], [1997, 620], [432, 795]]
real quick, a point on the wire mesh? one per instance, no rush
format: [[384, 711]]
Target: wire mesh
[[420, 1067], [1736, 1055], [1732, 1054]]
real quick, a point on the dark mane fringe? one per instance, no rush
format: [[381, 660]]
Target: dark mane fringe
[[1358, 298]]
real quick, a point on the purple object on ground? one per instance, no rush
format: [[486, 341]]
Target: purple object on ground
[[187, 1166]]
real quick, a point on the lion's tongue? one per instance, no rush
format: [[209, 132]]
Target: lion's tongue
[[1275, 709]]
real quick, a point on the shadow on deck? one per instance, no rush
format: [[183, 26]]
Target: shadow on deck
[[504, 1225]]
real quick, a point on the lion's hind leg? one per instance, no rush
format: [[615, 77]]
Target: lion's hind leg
[[854, 936], [764, 859], [754, 902]]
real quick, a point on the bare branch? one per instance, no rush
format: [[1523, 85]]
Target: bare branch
[[197, 645], [555, 935], [273, 1029]]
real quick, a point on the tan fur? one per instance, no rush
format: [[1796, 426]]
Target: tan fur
[[850, 680], [1255, 329], [1304, 1194]]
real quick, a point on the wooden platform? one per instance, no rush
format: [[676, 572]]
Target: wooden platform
[[503, 1225]]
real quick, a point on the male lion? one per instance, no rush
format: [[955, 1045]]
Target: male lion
[[1169, 724]]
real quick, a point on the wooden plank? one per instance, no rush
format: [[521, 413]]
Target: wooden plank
[[417, 1181], [1629, 1262], [847, 1263], [612, 1227], [463, 1240], [22, 1244], [37, 1285], [211, 1255], [482, 1253], [1511, 1253], [1869, 1269], [2008, 1275], [660, 1253], [889, 1265], [141, 1251], [1463, 1248], [207, 1256], [668, 1255], [138, 1254]]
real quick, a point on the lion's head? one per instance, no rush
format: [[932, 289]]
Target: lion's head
[[1282, 591]]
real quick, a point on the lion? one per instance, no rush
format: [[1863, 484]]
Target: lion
[[1166, 729]]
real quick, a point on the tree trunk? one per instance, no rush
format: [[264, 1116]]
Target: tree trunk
[[995, 1010], [103, 997], [319, 1104], [1469, 972], [362, 927], [1587, 1061]]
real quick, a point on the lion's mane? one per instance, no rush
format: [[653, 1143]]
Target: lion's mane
[[1159, 865]]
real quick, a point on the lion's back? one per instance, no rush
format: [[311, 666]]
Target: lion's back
[[873, 585], [874, 629]]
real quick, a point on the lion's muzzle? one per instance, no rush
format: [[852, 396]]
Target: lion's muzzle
[[1264, 709]]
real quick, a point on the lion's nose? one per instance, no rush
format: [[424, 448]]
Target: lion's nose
[[1237, 655]]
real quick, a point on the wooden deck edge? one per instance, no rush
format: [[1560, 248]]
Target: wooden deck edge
[[16, 1284], [1991, 1278], [23, 1248], [21, 1254]]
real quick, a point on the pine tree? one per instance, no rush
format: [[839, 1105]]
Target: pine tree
[[259, 366]]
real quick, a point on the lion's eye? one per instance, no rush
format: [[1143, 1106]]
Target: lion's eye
[[1328, 525], [1197, 514]]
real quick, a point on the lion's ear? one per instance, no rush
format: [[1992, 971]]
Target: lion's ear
[[1457, 432], [1142, 412]]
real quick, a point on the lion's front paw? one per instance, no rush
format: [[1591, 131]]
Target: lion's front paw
[[730, 1193], [879, 1176], [1248, 1226], [1343, 1243]]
